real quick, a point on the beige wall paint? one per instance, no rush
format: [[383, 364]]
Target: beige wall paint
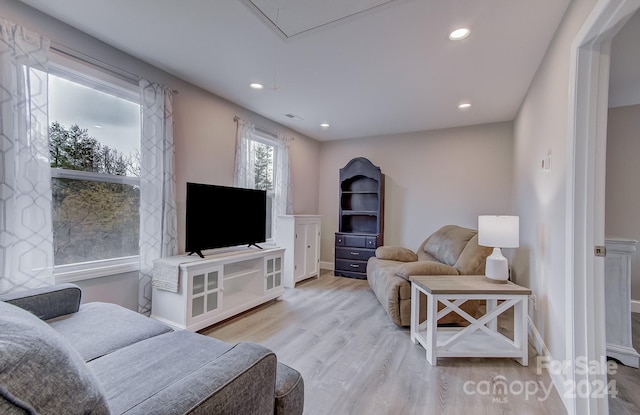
[[204, 134], [622, 190], [433, 178], [540, 196]]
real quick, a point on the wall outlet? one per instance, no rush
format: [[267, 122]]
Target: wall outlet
[[546, 162]]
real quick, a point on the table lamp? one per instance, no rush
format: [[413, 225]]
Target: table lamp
[[498, 232]]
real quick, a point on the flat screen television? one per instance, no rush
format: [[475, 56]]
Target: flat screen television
[[221, 216]]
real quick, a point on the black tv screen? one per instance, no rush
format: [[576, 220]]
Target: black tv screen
[[221, 216]]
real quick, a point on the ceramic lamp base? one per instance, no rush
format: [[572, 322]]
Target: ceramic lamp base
[[497, 267]]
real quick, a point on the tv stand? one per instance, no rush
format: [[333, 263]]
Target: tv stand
[[199, 252], [256, 245], [223, 284]]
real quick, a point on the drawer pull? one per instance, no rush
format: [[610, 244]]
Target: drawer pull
[[354, 265], [354, 253]]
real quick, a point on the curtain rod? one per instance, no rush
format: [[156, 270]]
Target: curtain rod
[[261, 129], [113, 70]]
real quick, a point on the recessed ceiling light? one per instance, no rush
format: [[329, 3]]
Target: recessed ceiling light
[[325, 125], [459, 34], [464, 106], [256, 85]]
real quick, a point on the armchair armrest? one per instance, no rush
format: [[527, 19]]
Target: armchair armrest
[[47, 302], [425, 268], [396, 253]]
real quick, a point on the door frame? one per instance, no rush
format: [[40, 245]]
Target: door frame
[[588, 106]]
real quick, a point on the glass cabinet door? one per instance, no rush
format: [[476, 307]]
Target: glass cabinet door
[[273, 274], [205, 292]]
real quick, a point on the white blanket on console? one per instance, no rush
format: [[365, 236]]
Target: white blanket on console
[[166, 271]]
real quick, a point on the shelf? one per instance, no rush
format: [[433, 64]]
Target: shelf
[[360, 212], [241, 274]]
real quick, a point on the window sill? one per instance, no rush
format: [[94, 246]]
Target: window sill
[[96, 269]]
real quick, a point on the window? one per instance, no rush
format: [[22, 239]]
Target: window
[[94, 141], [264, 152]]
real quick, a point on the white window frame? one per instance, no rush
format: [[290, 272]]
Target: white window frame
[[76, 71]]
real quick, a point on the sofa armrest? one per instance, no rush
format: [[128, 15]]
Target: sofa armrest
[[241, 381], [424, 268], [47, 302], [396, 253]]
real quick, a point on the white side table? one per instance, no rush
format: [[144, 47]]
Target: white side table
[[481, 337]]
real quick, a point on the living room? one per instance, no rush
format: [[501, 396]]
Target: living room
[[429, 179]]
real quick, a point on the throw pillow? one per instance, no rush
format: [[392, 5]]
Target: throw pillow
[[394, 253], [40, 372]]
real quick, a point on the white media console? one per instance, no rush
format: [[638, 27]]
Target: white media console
[[223, 284]]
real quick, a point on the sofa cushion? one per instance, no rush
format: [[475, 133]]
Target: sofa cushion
[[146, 377], [101, 328], [447, 243], [473, 258], [47, 302], [396, 253], [40, 372], [424, 268]]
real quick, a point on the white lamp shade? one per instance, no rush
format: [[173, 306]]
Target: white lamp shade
[[499, 231]]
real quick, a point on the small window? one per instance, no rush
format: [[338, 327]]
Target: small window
[[94, 141], [265, 153]]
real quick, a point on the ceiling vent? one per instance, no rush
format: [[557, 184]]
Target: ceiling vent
[[293, 117]]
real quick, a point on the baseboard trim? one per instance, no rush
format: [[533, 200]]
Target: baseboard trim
[[635, 306], [558, 380], [327, 265]]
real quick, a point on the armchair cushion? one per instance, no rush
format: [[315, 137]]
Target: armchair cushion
[[448, 242], [424, 268], [396, 253], [32, 352]]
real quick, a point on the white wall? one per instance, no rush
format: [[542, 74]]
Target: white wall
[[540, 197], [433, 178], [622, 191], [204, 134], [624, 84]]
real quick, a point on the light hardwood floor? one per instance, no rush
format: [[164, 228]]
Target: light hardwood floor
[[354, 360], [627, 380]]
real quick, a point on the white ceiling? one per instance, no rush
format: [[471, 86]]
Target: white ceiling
[[387, 70]]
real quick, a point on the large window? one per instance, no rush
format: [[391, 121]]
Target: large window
[[94, 136]]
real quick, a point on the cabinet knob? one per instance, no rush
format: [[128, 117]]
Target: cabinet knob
[[308, 246]]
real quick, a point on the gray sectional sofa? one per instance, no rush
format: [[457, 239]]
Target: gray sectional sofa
[[60, 357]]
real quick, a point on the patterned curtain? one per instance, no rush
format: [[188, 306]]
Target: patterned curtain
[[26, 232], [244, 175], [158, 219], [282, 186]]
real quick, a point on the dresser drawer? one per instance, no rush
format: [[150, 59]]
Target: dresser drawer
[[359, 254], [352, 266], [372, 242], [358, 240]]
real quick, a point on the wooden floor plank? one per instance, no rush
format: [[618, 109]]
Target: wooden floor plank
[[354, 360]]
